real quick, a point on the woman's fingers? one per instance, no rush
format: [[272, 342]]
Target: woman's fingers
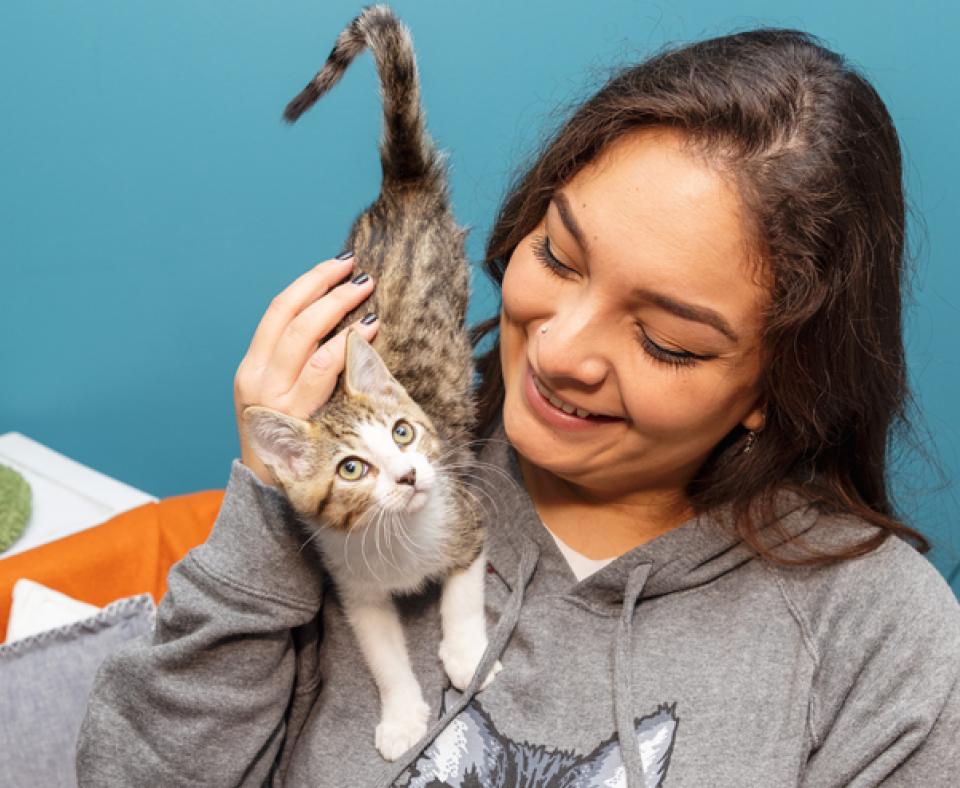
[[299, 340], [300, 294], [283, 368], [319, 376]]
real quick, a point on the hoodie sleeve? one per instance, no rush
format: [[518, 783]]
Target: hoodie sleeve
[[885, 708], [203, 700]]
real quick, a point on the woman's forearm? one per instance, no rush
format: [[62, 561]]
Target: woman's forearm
[[204, 699]]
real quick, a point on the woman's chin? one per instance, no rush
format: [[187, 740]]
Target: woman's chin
[[574, 458]]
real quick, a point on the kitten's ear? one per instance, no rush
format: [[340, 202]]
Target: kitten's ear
[[281, 442], [364, 370]]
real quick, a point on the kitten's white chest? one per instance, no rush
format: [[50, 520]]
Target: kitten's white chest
[[391, 552]]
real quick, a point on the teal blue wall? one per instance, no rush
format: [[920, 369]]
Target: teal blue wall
[[152, 202]]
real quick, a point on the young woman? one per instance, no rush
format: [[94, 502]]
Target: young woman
[[699, 576]]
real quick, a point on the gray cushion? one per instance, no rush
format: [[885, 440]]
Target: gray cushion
[[44, 683]]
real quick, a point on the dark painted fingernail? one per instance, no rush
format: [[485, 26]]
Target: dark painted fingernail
[[369, 318], [345, 255], [359, 279]]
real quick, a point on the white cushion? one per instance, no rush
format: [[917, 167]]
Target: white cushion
[[36, 608]]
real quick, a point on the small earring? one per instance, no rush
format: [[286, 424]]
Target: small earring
[[543, 329], [749, 444]]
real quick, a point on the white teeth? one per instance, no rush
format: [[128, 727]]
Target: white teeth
[[559, 403]]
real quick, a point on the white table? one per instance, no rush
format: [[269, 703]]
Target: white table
[[67, 496]]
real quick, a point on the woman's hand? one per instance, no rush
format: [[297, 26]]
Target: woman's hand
[[284, 369]]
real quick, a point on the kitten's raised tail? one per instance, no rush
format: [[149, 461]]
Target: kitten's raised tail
[[407, 152]]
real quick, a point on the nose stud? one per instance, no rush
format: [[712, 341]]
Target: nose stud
[[543, 329]]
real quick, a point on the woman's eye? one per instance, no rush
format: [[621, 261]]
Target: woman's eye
[[674, 358], [542, 251], [403, 432], [352, 469]]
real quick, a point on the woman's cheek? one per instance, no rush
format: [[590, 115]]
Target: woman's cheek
[[662, 406]]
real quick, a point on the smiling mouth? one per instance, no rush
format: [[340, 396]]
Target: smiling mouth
[[558, 403], [566, 407]]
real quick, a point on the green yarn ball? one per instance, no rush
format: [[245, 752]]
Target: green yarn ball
[[15, 506]]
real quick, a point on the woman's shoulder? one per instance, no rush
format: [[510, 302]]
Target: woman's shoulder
[[891, 590], [883, 631]]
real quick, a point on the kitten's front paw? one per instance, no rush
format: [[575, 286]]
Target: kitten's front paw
[[399, 731], [460, 660]]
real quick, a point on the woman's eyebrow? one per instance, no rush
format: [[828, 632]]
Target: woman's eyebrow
[[699, 314], [560, 200]]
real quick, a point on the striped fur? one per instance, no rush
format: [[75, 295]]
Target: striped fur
[[409, 241], [406, 150]]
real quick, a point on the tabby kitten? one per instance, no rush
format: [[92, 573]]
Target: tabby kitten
[[387, 461]]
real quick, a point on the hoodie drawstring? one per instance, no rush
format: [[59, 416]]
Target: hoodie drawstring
[[529, 555], [622, 683]]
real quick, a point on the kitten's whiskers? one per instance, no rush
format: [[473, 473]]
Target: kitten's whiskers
[[427, 558], [483, 467], [316, 532], [386, 538], [469, 443], [366, 513], [469, 488], [401, 530], [363, 554]]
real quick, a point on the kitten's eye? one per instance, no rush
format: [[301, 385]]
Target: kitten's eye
[[352, 469], [402, 432]]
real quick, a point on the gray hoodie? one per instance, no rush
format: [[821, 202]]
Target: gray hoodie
[[713, 666]]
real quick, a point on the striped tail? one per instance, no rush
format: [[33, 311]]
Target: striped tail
[[406, 150]]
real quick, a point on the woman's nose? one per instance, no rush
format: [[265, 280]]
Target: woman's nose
[[570, 347]]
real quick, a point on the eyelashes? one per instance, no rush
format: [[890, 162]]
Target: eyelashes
[[684, 359], [543, 253]]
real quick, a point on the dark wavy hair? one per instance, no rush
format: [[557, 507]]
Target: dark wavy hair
[[816, 159]]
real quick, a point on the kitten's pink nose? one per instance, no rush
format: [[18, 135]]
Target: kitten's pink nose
[[410, 477]]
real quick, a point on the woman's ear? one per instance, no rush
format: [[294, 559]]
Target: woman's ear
[[756, 418]]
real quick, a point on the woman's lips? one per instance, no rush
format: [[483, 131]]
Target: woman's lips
[[553, 415]]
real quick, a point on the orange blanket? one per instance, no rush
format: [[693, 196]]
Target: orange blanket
[[130, 554]]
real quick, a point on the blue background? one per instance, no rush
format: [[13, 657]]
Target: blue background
[[152, 202]]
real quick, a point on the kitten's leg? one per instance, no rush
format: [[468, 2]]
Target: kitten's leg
[[404, 714], [464, 625]]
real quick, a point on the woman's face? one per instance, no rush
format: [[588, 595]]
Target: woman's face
[[642, 277]]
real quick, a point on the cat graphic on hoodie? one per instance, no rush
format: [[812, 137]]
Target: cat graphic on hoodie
[[472, 753]]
